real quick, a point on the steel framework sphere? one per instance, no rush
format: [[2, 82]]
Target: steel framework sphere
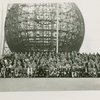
[[33, 27]]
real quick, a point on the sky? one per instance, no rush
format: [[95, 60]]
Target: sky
[[90, 10]]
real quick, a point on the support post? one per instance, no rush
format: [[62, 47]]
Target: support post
[[57, 47], [5, 48]]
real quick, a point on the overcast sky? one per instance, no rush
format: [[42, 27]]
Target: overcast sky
[[91, 12]]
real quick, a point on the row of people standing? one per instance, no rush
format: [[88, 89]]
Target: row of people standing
[[38, 64]]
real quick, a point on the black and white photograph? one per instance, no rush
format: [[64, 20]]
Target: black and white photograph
[[49, 45]]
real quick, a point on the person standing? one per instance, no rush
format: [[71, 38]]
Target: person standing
[[29, 70], [3, 71]]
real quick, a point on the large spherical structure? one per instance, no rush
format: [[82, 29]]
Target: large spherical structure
[[33, 27]]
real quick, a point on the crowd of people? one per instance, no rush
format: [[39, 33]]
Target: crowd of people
[[40, 64]]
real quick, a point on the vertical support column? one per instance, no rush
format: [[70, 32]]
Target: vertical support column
[[57, 47], [5, 48], [2, 31]]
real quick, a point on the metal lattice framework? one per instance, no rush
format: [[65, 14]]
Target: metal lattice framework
[[35, 27]]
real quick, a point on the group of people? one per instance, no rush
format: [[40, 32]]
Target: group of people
[[44, 64]]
